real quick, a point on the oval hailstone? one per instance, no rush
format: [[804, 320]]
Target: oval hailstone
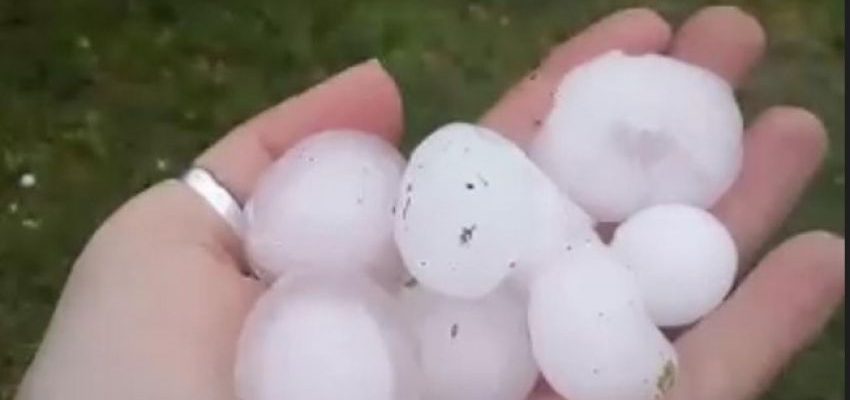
[[591, 335], [326, 206], [472, 349], [626, 132], [684, 259], [472, 209], [326, 338], [462, 218]]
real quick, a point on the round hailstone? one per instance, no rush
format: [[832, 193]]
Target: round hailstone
[[472, 349], [326, 206], [590, 333], [627, 132], [684, 259], [326, 338]]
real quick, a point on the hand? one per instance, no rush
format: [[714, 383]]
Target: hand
[[154, 304]]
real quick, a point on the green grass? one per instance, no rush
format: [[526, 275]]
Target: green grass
[[100, 98]]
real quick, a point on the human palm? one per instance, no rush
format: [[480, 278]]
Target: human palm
[[154, 304]]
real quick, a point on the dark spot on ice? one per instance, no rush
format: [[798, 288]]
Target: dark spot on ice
[[466, 150], [470, 186], [311, 159], [454, 330], [512, 265], [359, 200], [392, 210], [419, 166], [423, 263], [409, 188], [406, 207], [466, 234], [600, 314], [538, 123], [569, 247], [596, 371], [410, 283], [587, 240]]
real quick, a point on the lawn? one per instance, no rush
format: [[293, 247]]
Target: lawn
[[101, 98]]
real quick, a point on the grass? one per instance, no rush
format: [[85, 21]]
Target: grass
[[100, 98]]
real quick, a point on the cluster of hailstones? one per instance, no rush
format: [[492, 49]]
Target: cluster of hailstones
[[475, 266]]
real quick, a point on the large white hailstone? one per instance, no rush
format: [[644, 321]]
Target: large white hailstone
[[559, 226], [326, 338], [463, 215], [470, 212], [684, 259], [326, 207], [626, 132], [591, 335], [472, 349]]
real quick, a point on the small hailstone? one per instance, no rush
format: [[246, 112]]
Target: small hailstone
[[684, 260], [591, 335], [83, 42], [27, 180], [471, 349], [627, 132], [326, 338], [13, 207], [326, 207], [162, 164], [31, 223]]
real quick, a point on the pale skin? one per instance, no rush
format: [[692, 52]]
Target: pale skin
[[153, 306]]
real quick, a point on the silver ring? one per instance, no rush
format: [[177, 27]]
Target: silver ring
[[206, 185]]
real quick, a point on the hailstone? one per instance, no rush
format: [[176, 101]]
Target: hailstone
[[472, 349], [314, 337], [626, 132], [591, 335], [469, 211], [684, 259], [326, 206], [558, 226]]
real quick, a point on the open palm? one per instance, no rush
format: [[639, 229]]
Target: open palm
[[154, 304]]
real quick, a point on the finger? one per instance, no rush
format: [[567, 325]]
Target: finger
[[740, 348], [722, 39], [363, 97], [783, 150], [518, 114]]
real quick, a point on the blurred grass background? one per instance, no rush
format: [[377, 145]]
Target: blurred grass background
[[100, 98]]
